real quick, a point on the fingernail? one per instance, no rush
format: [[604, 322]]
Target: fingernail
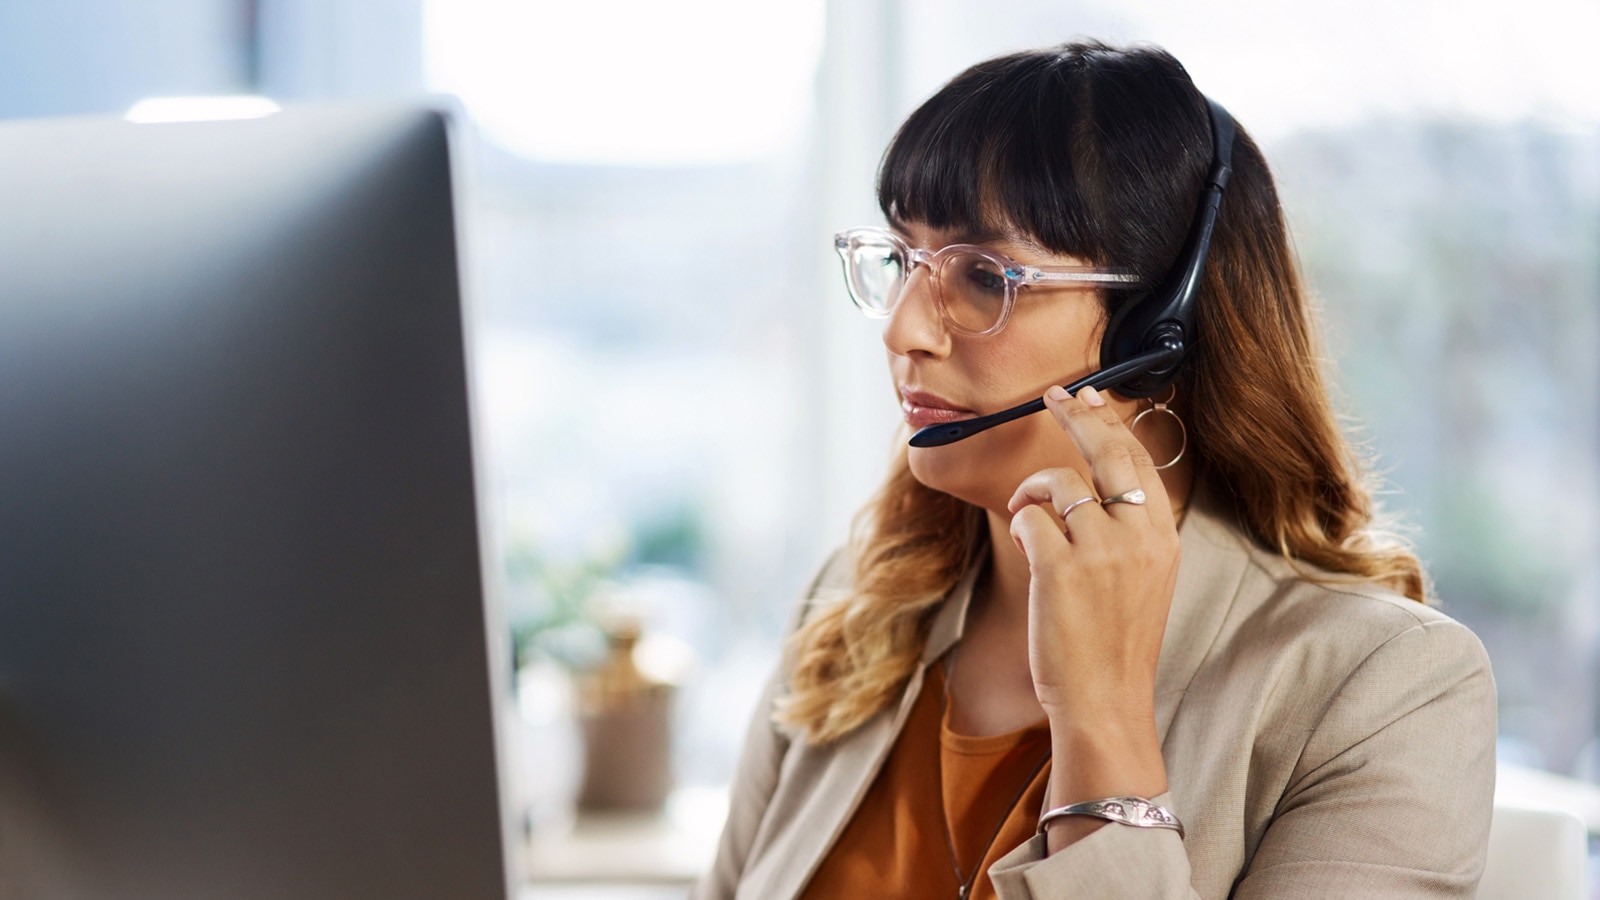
[[1057, 393], [1092, 397]]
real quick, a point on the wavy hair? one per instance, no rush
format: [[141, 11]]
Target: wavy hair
[[1099, 153]]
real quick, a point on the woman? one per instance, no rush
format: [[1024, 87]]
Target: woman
[[1010, 686]]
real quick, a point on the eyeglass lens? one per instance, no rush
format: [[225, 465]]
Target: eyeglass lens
[[971, 287], [876, 272]]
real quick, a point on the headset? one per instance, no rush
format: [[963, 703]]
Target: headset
[[1147, 338]]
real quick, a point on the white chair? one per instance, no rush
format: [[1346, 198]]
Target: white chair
[[1535, 854]]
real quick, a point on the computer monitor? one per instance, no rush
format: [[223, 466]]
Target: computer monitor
[[244, 648]]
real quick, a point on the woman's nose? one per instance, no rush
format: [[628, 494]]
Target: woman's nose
[[914, 325]]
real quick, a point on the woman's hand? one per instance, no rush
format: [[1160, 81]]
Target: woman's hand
[[1100, 588], [1098, 594]]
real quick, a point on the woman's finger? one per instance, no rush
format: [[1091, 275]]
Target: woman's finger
[[1038, 533], [1057, 487], [1117, 461], [1065, 492]]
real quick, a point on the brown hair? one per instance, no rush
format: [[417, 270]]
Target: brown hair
[[1099, 153]]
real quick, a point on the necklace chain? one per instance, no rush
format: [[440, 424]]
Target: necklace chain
[[964, 880]]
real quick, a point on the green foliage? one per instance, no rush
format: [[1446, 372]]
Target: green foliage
[[676, 540], [565, 623], [563, 627]]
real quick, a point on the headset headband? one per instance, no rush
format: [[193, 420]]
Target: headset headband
[[1164, 318]]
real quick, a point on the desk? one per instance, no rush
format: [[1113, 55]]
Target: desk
[[661, 852], [601, 892]]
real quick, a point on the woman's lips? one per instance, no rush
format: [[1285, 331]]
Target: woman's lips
[[923, 409]]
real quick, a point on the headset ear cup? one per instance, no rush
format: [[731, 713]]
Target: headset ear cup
[[1130, 332], [1115, 346], [1124, 339]]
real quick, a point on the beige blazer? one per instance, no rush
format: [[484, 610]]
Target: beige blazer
[[1320, 741]]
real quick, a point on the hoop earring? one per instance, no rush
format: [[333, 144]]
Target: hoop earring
[[1161, 406]]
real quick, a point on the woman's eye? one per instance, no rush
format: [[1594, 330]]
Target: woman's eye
[[986, 278], [879, 264]]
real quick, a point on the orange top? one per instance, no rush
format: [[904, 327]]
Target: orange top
[[896, 845]]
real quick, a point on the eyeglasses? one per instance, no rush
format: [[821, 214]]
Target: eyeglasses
[[973, 288]]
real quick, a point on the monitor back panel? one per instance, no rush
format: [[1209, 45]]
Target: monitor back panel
[[243, 649]]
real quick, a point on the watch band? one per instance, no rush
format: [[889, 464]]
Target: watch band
[[1135, 811]]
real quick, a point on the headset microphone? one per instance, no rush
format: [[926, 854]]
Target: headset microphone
[[1100, 379], [1146, 340]]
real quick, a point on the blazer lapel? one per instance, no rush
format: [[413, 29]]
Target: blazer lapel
[[826, 784], [1209, 576]]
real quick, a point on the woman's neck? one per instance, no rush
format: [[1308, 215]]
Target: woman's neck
[[1006, 588]]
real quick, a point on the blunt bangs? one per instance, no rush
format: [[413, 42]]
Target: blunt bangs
[[1087, 150], [995, 153]]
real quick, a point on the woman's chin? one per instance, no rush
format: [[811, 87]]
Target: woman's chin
[[985, 469], [952, 469]]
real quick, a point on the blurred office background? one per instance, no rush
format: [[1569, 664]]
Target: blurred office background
[[683, 411]]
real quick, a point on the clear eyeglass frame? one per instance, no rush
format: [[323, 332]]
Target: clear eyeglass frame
[[850, 245]]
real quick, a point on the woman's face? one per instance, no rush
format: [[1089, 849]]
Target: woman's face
[[1053, 337]]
